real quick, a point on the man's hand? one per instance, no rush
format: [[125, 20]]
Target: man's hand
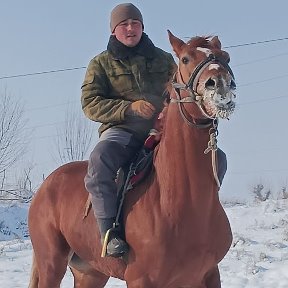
[[141, 108]]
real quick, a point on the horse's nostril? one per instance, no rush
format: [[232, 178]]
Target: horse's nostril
[[210, 84]]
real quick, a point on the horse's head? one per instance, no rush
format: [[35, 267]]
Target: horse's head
[[204, 73]]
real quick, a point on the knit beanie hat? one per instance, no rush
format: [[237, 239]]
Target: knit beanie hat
[[123, 12]]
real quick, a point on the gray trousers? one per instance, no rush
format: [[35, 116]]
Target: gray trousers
[[222, 164], [115, 149]]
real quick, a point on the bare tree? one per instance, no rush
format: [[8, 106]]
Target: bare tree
[[260, 195], [74, 138], [284, 192], [13, 140], [22, 189], [24, 180]]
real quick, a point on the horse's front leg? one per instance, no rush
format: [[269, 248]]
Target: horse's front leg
[[213, 278], [141, 281], [141, 284]]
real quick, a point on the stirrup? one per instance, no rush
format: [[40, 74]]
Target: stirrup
[[107, 237], [105, 242]]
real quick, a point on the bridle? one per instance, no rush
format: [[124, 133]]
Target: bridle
[[193, 80], [194, 97], [191, 87]]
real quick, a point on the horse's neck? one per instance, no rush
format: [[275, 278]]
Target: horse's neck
[[181, 165], [181, 142]]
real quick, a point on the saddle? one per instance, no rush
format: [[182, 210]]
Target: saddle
[[140, 166]]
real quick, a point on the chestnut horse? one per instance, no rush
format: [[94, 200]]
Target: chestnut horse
[[175, 225]]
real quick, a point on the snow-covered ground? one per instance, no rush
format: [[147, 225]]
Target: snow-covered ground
[[257, 258]]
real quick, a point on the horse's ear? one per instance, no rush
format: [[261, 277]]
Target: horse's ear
[[176, 43], [216, 42]]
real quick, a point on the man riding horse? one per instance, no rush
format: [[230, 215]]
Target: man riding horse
[[123, 89]]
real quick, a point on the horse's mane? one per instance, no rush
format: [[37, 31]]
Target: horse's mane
[[200, 41]]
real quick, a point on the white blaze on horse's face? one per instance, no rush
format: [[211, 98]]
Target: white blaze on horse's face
[[204, 50], [213, 66]]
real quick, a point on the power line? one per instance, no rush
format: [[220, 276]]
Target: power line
[[264, 80], [263, 100], [84, 67], [62, 122], [51, 106], [43, 72], [43, 125], [238, 85], [260, 59], [244, 172], [256, 43]]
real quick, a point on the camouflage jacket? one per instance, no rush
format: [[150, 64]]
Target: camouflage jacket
[[121, 75]]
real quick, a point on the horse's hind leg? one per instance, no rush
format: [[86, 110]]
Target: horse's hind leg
[[94, 279], [34, 277], [51, 255]]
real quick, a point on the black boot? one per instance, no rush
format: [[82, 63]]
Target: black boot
[[116, 247]]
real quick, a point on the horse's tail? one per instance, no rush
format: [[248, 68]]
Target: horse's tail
[[34, 277]]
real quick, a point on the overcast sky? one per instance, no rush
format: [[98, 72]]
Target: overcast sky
[[40, 36]]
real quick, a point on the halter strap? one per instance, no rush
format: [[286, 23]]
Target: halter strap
[[192, 82], [190, 99], [191, 85]]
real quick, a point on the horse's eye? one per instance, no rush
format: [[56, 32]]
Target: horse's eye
[[185, 60]]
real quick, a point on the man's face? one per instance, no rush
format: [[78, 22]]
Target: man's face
[[129, 32]]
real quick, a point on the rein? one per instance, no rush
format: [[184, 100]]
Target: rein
[[194, 97]]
